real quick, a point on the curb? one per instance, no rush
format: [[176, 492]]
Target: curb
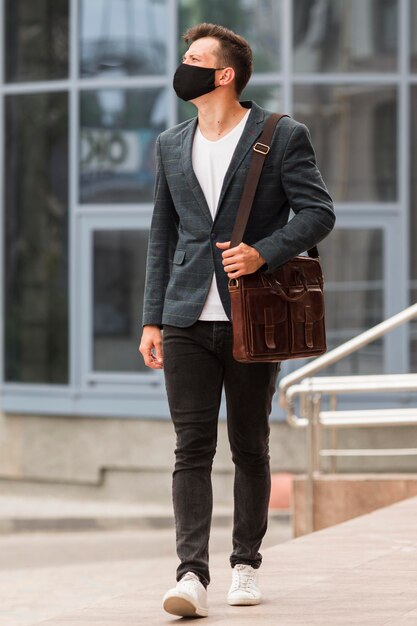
[[75, 523]]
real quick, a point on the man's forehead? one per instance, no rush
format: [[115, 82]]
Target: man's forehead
[[204, 46]]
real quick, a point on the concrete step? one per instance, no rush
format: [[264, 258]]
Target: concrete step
[[30, 514]]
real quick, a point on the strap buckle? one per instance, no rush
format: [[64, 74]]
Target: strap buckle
[[262, 148]]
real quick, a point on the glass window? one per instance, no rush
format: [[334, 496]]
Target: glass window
[[123, 37], [413, 224], [36, 238], [267, 96], [413, 35], [119, 275], [345, 35], [354, 132], [354, 292], [36, 40], [117, 144], [259, 21]]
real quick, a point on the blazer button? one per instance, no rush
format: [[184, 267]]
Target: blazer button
[[213, 235]]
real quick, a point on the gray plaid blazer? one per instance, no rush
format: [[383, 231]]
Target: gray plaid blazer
[[182, 254]]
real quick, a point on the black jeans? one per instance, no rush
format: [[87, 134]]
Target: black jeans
[[198, 361]]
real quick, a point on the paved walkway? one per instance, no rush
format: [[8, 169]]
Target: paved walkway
[[362, 572]]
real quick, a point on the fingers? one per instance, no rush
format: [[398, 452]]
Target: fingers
[[150, 359], [236, 274], [241, 250], [235, 266], [240, 260], [232, 267], [230, 252], [158, 353], [152, 362], [223, 245], [234, 261], [233, 258], [151, 348]]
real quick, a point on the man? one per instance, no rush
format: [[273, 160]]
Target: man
[[201, 168]]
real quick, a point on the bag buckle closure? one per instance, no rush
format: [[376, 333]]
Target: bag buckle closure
[[262, 148]]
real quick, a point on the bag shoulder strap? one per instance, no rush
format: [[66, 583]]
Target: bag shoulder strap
[[260, 150]]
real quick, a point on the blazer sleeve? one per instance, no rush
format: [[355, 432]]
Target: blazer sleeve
[[308, 198], [163, 237]]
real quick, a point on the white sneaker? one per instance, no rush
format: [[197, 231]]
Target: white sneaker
[[188, 598], [244, 589]]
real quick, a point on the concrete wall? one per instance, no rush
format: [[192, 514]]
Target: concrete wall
[[338, 498], [126, 459]]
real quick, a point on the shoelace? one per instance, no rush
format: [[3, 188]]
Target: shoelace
[[190, 577], [243, 577]]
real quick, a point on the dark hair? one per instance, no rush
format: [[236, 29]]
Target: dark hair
[[234, 51]]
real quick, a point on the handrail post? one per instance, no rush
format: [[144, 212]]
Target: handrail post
[[333, 435], [309, 490], [317, 434], [313, 401]]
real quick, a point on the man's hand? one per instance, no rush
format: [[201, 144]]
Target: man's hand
[[242, 259], [151, 347]]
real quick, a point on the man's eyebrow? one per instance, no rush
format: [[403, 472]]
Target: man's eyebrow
[[191, 54]]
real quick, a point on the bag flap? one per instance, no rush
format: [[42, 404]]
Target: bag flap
[[258, 300], [300, 270], [310, 308]]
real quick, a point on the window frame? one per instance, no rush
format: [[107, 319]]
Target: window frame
[[124, 396]]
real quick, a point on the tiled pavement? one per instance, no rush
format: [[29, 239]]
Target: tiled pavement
[[362, 572]]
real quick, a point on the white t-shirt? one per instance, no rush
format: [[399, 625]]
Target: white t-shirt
[[211, 160]]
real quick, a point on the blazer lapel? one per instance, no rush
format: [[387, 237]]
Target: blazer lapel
[[252, 130], [187, 166]]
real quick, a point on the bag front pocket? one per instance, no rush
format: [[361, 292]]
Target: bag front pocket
[[267, 323], [307, 322]]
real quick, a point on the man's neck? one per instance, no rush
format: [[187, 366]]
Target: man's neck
[[216, 119]]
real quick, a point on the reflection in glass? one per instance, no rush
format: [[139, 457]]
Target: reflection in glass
[[117, 144], [123, 37], [36, 39], [345, 35], [413, 35], [354, 132], [353, 267], [259, 21], [413, 224], [119, 274], [36, 238], [267, 96]]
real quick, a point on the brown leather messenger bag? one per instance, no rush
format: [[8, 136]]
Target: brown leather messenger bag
[[276, 315]]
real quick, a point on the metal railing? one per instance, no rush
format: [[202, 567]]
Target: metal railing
[[309, 392]]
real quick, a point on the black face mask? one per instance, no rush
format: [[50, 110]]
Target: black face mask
[[191, 81]]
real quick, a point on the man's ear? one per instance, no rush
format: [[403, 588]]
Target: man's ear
[[227, 76]]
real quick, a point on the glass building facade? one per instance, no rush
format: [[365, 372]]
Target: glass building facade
[[85, 88]]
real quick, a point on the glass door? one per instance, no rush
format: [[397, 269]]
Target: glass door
[[361, 266], [112, 272]]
